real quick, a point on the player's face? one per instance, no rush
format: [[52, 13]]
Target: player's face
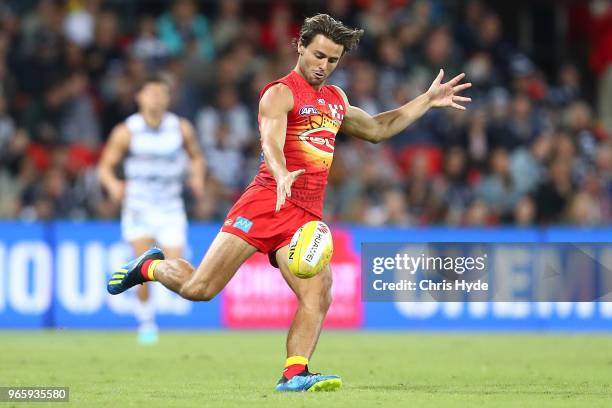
[[154, 97], [319, 59]]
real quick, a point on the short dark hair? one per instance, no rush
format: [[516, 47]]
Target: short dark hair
[[331, 28], [156, 78]]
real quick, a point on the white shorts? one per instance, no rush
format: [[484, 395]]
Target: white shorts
[[168, 229]]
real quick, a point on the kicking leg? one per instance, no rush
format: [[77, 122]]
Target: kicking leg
[[172, 255], [223, 258], [140, 246]]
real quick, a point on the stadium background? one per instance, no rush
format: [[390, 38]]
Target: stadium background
[[531, 159]]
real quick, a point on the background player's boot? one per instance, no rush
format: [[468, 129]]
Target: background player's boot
[[307, 381], [130, 274], [147, 334]]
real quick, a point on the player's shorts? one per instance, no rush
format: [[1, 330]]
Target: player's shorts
[[254, 219], [167, 228]]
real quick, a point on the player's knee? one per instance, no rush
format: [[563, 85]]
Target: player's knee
[[197, 293]]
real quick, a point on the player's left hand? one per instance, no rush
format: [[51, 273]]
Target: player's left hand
[[445, 95]]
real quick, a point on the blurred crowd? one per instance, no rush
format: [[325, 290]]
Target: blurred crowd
[[531, 149]]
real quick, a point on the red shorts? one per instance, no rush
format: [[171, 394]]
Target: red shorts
[[253, 218]]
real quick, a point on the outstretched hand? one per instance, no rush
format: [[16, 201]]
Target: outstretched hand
[[283, 187], [445, 95]]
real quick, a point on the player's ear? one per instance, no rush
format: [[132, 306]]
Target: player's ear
[[300, 47]]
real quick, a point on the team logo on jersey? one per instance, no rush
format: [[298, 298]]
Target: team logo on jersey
[[337, 111], [228, 222], [321, 101], [308, 110], [243, 224], [322, 140]]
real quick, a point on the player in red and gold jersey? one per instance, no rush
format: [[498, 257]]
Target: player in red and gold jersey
[[299, 117]]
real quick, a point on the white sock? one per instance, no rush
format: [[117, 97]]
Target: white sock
[[145, 313]]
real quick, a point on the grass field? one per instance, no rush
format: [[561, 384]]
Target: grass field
[[239, 369]]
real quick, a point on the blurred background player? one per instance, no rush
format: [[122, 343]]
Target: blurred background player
[[299, 117], [152, 144]]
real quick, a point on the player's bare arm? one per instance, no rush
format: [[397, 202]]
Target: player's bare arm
[[273, 108], [115, 149], [198, 161], [378, 128]]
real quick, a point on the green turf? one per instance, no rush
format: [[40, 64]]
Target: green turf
[[239, 369]]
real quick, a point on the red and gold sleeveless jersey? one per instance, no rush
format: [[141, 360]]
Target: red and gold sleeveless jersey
[[312, 125]]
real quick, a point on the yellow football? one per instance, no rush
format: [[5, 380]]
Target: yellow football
[[310, 250]]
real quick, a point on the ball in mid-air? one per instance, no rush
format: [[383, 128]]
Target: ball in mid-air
[[310, 250]]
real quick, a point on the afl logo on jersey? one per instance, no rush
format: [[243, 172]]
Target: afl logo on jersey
[[308, 110]]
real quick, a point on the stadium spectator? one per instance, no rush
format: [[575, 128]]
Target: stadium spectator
[[579, 122], [13, 150], [477, 214], [568, 88], [466, 29], [227, 26], [396, 208], [524, 212], [148, 46], [7, 125], [52, 197], [604, 174], [279, 30], [183, 25], [490, 39], [553, 195], [601, 56], [343, 192], [229, 112], [226, 161], [498, 190], [439, 51], [453, 193], [363, 87], [120, 104], [80, 125], [106, 51], [523, 125], [419, 191], [79, 23], [68, 73], [43, 118], [528, 163], [391, 70]]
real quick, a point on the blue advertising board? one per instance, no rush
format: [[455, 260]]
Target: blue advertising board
[[54, 275]]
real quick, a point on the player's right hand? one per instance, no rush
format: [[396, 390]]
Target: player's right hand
[[116, 191], [283, 187]]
